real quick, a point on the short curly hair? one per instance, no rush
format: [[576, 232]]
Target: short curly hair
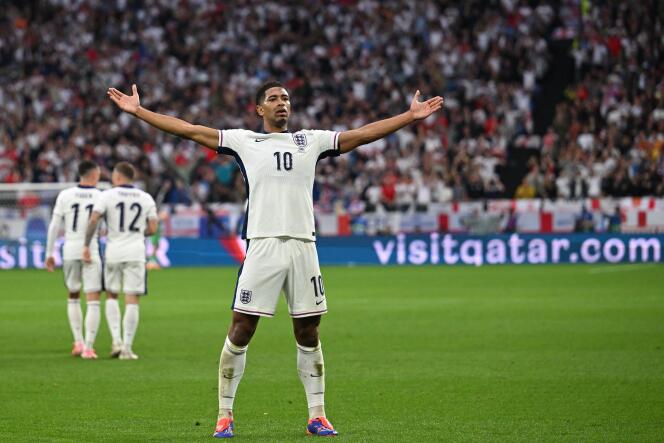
[[260, 94]]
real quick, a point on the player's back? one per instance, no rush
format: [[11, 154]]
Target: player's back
[[126, 210], [75, 205]]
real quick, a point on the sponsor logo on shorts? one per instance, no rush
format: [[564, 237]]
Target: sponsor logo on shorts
[[245, 296]]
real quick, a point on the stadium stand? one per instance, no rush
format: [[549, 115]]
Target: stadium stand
[[554, 101]]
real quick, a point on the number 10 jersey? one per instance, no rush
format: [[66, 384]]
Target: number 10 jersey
[[279, 170]]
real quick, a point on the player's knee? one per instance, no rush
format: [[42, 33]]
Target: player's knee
[[242, 329], [240, 335], [131, 299], [74, 295], [306, 331], [307, 335]]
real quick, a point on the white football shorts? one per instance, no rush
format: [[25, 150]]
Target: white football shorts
[[280, 264], [80, 274], [130, 276]]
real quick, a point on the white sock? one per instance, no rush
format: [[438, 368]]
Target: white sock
[[91, 323], [113, 319], [130, 324], [311, 368], [231, 368], [75, 316]]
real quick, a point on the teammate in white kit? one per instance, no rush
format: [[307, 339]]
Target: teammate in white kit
[[278, 168], [130, 215], [74, 206]]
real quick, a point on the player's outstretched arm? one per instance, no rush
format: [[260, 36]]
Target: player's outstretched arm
[[89, 233], [349, 140], [131, 104]]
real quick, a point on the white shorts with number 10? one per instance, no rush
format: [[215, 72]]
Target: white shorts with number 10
[[276, 264]]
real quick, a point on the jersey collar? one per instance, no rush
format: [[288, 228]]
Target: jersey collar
[[262, 131], [86, 186], [125, 186]]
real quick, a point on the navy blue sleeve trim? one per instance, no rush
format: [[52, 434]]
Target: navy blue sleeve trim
[[221, 149], [225, 151], [334, 152], [328, 153]]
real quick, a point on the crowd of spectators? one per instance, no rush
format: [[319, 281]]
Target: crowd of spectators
[[345, 63], [607, 136]]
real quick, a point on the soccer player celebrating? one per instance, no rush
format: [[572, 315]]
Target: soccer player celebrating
[[131, 214], [278, 168], [74, 205]]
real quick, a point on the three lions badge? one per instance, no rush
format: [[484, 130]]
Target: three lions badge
[[245, 296], [300, 141]]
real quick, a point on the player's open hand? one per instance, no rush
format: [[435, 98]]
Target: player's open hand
[[422, 110], [86, 254], [50, 264], [128, 103]]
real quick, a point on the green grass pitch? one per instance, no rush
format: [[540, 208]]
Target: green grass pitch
[[530, 353]]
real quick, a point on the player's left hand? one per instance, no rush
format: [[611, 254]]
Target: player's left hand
[[128, 103], [422, 110], [86, 254]]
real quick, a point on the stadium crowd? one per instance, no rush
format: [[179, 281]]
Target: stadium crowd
[[345, 63]]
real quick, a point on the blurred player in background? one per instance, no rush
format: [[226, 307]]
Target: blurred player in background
[[74, 205], [278, 168], [130, 214], [153, 262]]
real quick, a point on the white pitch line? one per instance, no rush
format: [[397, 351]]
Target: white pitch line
[[619, 268]]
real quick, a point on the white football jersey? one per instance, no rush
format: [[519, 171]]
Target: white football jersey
[[74, 205], [126, 210], [279, 170]]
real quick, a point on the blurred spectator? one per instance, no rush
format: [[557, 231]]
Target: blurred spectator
[[176, 193], [525, 190], [345, 64]]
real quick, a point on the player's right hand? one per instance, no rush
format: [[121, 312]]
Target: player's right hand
[[128, 103], [86, 254], [50, 264]]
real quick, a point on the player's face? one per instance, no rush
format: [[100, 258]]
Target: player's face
[[276, 107]]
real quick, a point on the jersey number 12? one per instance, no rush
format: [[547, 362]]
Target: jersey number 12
[[132, 226]]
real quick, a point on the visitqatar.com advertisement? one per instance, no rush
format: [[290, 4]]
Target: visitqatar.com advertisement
[[430, 249]]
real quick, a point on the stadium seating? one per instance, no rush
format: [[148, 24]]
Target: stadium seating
[[346, 63]]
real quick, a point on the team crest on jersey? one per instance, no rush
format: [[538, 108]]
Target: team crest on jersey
[[300, 141], [245, 296]]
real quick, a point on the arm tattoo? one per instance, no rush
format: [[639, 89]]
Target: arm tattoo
[[90, 231]]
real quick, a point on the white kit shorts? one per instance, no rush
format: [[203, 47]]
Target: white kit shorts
[[81, 274], [130, 276], [276, 264]]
